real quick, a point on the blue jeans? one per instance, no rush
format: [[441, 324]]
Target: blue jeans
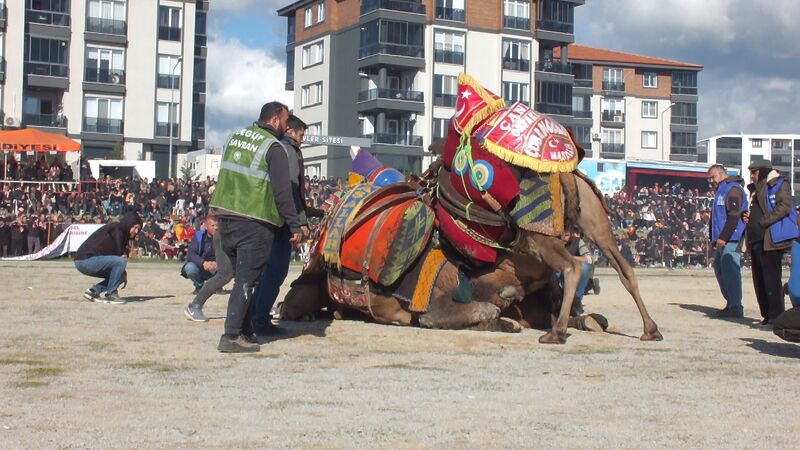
[[727, 268], [110, 268], [269, 285], [197, 274], [794, 275], [577, 303]]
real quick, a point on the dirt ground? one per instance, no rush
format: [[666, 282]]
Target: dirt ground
[[80, 374]]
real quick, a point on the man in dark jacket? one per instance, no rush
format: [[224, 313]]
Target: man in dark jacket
[[105, 255], [201, 260], [277, 267], [771, 227]]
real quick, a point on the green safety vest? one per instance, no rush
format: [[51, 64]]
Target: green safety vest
[[243, 185]]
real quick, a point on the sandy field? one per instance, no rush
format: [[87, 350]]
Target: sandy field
[[79, 374]]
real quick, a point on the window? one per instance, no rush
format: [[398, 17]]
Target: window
[[166, 65], [448, 47], [582, 106], [51, 12], [516, 92], [649, 139], [612, 136], [445, 88], [517, 14], [169, 23], [450, 10], [106, 16], [440, 128], [321, 13], [613, 105], [312, 95], [684, 143], [684, 113], [650, 79], [46, 57], [312, 54], [166, 115], [102, 115], [556, 15], [649, 110], [554, 98], [684, 82], [612, 75], [756, 143], [391, 37], [778, 145], [309, 20], [516, 55], [314, 129], [104, 65]]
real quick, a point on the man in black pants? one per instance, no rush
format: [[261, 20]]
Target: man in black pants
[[768, 220], [253, 199]]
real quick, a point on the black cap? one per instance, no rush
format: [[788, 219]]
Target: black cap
[[760, 164]]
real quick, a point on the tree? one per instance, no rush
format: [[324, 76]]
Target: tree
[[118, 152], [187, 172]]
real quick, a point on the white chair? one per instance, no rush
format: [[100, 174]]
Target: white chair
[[179, 207]]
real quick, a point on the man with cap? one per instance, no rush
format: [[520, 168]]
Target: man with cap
[[726, 231], [771, 227]]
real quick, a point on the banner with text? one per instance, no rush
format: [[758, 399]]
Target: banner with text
[[68, 241]]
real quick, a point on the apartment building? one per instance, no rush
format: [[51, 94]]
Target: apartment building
[[737, 151], [386, 69], [632, 106], [108, 71]]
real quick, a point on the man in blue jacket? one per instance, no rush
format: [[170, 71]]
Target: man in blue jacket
[[726, 231], [201, 261]]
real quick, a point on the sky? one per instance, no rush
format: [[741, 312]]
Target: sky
[[749, 49]]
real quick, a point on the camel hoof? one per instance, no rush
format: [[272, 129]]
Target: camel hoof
[[590, 324], [653, 336], [506, 325], [599, 320], [551, 337]]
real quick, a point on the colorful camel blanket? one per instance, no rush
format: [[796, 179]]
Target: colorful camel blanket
[[416, 286], [539, 207]]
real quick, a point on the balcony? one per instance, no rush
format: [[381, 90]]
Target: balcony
[[522, 65], [101, 125], [613, 119], [201, 40], [391, 99], [392, 94], [411, 51], [581, 83], [616, 151], [395, 139], [3, 16], [447, 100], [108, 76], [367, 6], [517, 23], [47, 17], [560, 110], [199, 86], [106, 26], [47, 69], [448, 56], [198, 133], [613, 86], [162, 129], [554, 67], [169, 33], [581, 114], [684, 120], [684, 90], [2, 70], [558, 27], [169, 81], [44, 120], [456, 15]]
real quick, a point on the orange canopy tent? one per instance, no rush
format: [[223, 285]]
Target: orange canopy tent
[[33, 140]]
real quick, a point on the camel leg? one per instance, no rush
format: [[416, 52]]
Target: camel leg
[[557, 257], [594, 223]]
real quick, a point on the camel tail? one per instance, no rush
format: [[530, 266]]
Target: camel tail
[[596, 191]]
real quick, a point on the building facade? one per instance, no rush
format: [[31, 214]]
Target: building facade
[[387, 69], [104, 72], [737, 151]]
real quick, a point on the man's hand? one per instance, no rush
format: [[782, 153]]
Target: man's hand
[[305, 231], [296, 238], [720, 244], [124, 280], [210, 266], [746, 217]]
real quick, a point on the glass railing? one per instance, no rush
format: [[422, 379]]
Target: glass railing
[[168, 81], [618, 149], [559, 27], [390, 94], [554, 67], [413, 51], [681, 150], [448, 100], [613, 116], [47, 69], [448, 56], [107, 26], [523, 65], [198, 133], [561, 110], [444, 13], [105, 76], [169, 33], [47, 17], [44, 120], [201, 40], [517, 23], [684, 90], [395, 139], [368, 6], [617, 86], [199, 87], [584, 83], [684, 120], [100, 125], [162, 129], [580, 114]]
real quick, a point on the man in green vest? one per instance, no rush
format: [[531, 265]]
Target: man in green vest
[[253, 198]]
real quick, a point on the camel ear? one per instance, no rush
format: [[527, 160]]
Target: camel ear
[[437, 147]]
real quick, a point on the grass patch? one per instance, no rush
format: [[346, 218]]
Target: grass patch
[[30, 384], [99, 346], [42, 372], [152, 366], [407, 366], [19, 362], [264, 356]]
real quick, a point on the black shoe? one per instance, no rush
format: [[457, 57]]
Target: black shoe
[[238, 345], [596, 286], [270, 330], [250, 337], [90, 294]]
